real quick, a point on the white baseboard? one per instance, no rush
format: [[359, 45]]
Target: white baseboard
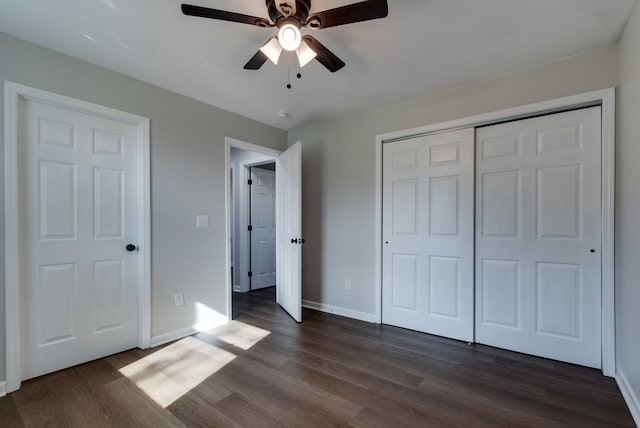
[[337, 310], [630, 396], [163, 338], [3, 388]]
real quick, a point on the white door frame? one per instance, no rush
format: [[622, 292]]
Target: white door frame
[[13, 93], [605, 98], [242, 241], [270, 155]]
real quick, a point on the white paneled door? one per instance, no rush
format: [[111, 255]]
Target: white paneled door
[[538, 236], [79, 180], [263, 228], [289, 231], [428, 234]]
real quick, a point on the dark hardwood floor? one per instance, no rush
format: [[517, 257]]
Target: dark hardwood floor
[[265, 370]]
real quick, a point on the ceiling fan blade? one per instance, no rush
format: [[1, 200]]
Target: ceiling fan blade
[[205, 12], [357, 12], [324, 55], [256, 61]]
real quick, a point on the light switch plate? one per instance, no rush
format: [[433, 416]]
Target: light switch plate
[[202, 221], [178, 300]]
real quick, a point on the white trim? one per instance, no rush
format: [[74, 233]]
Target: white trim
[[13, 92], [233, 265], [227, 227], [378, 232], [228, 143], [3, 388], [238, 144], [605, 97], [12, 296], [608, 232], [337, 310], [161, 339], [144, 234], [258, 161], [241, 238], [629, 395]]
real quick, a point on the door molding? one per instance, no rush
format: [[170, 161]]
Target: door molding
[[606, 98], [269, 155], [13, 93]]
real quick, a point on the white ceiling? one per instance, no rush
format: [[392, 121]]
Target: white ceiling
[[424, 46]]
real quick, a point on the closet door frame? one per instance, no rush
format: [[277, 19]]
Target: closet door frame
[[605, 98]]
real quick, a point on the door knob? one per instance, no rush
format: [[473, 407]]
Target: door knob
[[130, 248], [294, 240]]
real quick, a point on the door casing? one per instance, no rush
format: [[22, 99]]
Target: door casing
[[15, 92], [269, 156], [606, 98]]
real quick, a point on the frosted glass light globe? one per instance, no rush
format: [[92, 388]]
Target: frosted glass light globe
[[289, 37]]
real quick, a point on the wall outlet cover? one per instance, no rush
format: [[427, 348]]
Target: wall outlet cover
[[178, 299], [202, 221]]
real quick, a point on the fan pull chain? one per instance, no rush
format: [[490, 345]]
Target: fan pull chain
[[298, 74]]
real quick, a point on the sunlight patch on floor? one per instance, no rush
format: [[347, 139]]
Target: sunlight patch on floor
[[171, 372], [239, 334]]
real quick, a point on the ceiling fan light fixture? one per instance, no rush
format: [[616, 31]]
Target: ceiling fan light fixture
[[272, 50], [289, 37], [289, 17], [305, 54]]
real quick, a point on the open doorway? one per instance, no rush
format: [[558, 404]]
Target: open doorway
[[243, 160], [253, 234]]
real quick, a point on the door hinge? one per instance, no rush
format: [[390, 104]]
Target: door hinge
[[249, 182], [250, 274], [249, 228]]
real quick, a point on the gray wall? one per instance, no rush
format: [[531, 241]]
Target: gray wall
[[628, 208], [339, 166], [187, 174]]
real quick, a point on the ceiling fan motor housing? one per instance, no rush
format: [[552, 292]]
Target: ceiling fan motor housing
[[279, 9]]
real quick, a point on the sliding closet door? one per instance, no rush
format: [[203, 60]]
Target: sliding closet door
[[538, 236], [428, 234]]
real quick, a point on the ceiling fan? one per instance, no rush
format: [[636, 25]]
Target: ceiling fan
[[289, 16]]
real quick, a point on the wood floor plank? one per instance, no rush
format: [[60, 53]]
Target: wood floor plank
[[266, 370], [9, 414], [194, 411], [127, 406], [247, 414]]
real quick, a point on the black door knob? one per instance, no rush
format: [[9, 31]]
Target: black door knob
[[294, 241], [130, 248]]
